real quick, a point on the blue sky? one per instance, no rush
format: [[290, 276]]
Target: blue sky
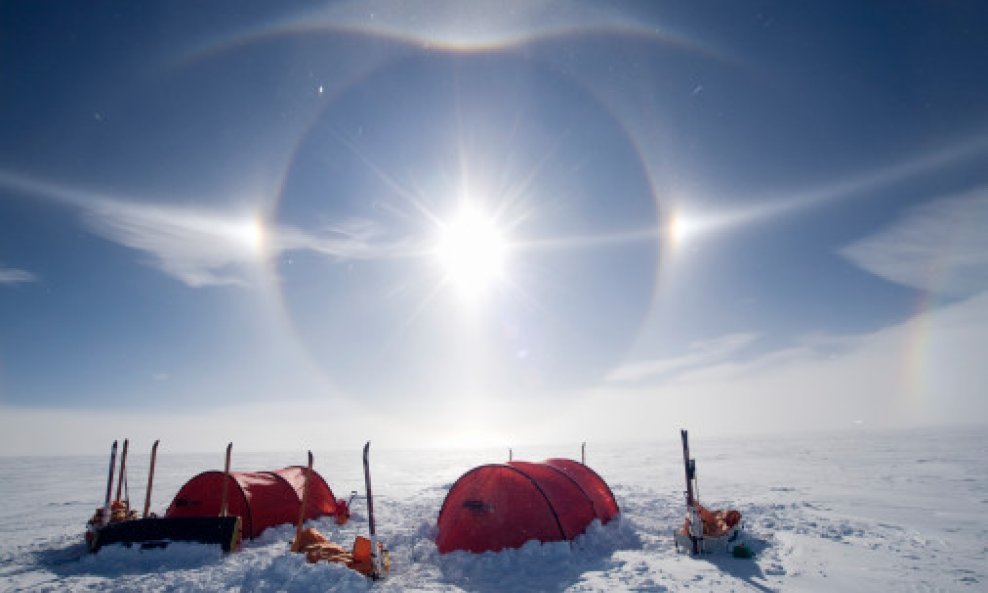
[[303, 224]]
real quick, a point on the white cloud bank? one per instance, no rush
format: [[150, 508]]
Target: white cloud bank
[[928, 370], [284, 426]]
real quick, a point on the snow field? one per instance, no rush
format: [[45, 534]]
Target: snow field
[[842, 512]]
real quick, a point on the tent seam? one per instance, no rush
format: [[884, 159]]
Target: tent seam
[[555, 515]]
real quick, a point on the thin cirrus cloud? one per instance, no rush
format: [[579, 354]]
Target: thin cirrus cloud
[[197, 247], [769, 207], [202, 246], [10, 276], [209, 248], [701, 353], [193, 245], [353, 239], [940, 246]]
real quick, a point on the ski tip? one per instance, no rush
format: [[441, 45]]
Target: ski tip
[[156, 441], [229, 446], [310, 458], [366, 447]]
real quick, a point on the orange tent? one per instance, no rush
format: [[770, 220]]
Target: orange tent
[[260, 499]]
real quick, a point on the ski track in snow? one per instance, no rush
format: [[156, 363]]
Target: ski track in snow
[[841, 512]]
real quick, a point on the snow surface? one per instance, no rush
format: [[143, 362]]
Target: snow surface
[[854, 511]]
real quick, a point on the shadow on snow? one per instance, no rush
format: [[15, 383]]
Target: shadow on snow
[[745, 569], [536, 566]]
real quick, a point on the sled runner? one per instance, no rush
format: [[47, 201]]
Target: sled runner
[[158, 532]]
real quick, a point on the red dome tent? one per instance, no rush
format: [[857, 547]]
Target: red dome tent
[[260, 499], [499, 506]]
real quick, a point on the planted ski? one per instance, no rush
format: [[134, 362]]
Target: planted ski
[[121, 477], [226, 478], [297, 543], [690, 498], [147, 495], [378, 565], [109, 485]]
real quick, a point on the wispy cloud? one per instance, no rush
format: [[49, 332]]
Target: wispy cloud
[[204, 246], [757, 209], [354, 239], [927, 370], [197, 246], [16, 276], [700, 353], [940, 246]]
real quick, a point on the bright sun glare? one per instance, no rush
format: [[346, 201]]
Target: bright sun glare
[[472, 251]]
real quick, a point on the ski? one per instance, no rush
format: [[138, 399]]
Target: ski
[[297, 543], [690, 499], [226, 478], [105, 518], [147, 495], [706, 530], [121, 477], [377, 570]]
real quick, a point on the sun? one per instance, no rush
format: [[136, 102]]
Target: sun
[[471, 251]]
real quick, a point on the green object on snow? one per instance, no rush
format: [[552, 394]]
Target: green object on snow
[[742, 551]]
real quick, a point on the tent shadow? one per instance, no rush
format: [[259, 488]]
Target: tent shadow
[[484, 574], [745, 569], [75, 559], [58, 557]]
